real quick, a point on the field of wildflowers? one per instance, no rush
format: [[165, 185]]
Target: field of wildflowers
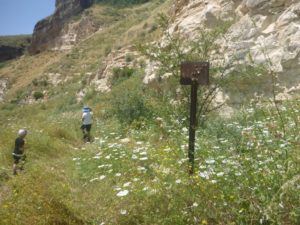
[[247, 173], [247, 170]]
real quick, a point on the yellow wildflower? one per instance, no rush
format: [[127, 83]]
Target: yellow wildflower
[[204, 222]]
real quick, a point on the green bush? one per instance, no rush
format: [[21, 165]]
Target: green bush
[[120, 74], [35, 82], [129, 57], [43, 82], [129, 103], [38, 95]]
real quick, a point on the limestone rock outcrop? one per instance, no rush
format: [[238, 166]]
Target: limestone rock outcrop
[[262, 32], [3, 88], [56, 32], [123, 58]]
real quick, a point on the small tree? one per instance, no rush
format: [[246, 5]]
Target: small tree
[[128, 102], [177, 48]]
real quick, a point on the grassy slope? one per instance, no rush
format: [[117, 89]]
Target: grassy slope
[[47, 145], [118, 31], [246, 171], [22, 72]]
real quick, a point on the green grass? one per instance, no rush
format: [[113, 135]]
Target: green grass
[[246, 172]]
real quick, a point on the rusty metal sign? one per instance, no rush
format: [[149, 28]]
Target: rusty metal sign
[[194, 72]]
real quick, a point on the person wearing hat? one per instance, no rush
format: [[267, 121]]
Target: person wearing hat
[[87, 116], [18, 152]]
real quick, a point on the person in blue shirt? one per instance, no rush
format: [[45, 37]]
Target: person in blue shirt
[[87, 117]]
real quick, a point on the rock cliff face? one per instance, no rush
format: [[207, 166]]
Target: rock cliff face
[[263, 32], [9, 52], [12, 47], [56, 32]]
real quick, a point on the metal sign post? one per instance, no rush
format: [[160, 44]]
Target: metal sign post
[[194, 74]]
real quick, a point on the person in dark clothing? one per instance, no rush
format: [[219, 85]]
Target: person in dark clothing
[[18, 153]]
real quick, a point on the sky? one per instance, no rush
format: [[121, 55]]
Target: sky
[[20, 16]]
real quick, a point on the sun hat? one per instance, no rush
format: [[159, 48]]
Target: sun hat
[[22, 132], [86, 109]]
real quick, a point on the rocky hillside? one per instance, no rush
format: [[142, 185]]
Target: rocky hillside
[[83, 41], [262, 32]]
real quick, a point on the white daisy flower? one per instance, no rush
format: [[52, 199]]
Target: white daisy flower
[[123, 193], [123, 211]]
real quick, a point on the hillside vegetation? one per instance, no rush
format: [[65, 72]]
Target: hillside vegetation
[[135, 171], [122, 2], [12, 47], [15, 41]]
